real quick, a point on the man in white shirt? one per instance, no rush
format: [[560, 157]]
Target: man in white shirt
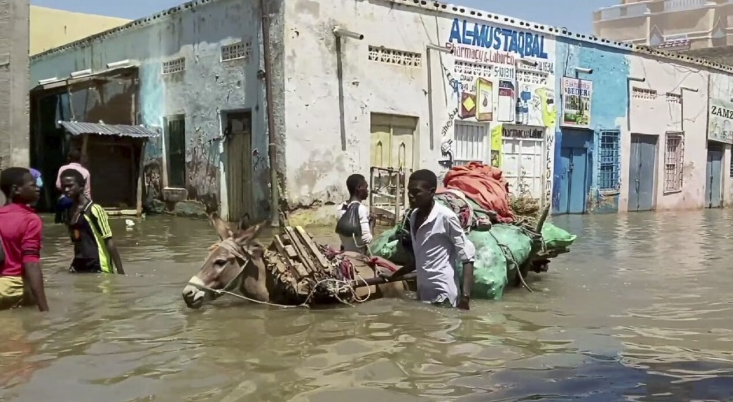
[[438, 242], [358, 192]]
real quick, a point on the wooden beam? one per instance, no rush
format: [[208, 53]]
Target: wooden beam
[[141, 178]]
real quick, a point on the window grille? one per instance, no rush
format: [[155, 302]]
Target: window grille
[[674, 98], [174, 66], [610, 161], [470, 143], [673, 161], [381, 54], [644, 93], [473, 69], [236, 51]]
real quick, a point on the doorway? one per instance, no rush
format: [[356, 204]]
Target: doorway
[[575, 172], [714, 176], [522, 159], [238, 132], [393, 146], [642, 169]]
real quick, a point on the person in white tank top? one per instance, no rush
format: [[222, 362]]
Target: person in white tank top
[[358, 192]]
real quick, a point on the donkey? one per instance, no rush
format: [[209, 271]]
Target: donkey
[[235, 264]]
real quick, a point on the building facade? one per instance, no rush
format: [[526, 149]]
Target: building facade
[[669, 25], [384, 88], [14, 88]]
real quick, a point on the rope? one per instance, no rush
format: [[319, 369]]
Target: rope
[[343, 286], [510, 256]]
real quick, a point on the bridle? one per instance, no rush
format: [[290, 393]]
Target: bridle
[[236, 282]]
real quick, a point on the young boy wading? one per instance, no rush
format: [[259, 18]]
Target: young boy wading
[[94, 250], [438, 241], [21, 278]]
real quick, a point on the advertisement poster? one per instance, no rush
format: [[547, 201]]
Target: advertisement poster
[[720, 121], [485, 94], [577, 96], [506, 102]]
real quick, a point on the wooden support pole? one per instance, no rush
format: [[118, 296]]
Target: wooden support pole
[[141, 178]]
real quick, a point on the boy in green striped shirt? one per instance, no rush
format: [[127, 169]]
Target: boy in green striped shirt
[[88, 223]]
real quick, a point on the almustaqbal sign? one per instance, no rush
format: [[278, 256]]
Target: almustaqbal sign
[[720, 121]]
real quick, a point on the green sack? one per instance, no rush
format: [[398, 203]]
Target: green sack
[[499, 251], [387, 246], [556, 238]]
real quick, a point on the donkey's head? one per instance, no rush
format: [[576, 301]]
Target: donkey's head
[[225, 264]]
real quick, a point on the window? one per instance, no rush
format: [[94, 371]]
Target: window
[[644, 93], [382, 54], [174, 66], [731, 166], [236, 51], [608, 180], [176, 141], [470, 143], [673, 159]]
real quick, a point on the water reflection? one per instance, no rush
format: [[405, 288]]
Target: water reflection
[[639, 311]]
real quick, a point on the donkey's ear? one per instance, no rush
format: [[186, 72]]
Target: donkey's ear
[[244, 237], [220, 226]]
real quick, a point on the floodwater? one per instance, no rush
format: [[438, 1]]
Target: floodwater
[[639, 310]]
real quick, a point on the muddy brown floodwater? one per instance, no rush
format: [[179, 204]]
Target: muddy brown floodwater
[[642, 309]]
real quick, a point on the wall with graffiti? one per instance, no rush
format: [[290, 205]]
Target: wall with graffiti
[[195, 66], [592, 83], [502, 79]]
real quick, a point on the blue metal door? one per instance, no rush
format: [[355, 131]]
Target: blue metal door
[[713, 198], [573, 179], [564, 188], [578, 180], [642, 169]]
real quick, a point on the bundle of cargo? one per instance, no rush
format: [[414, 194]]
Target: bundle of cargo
[[507, 248], [293, 271]]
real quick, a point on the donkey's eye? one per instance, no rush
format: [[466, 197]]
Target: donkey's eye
[[221, 261]]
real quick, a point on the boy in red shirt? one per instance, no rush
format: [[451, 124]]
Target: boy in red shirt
[[20, 234]]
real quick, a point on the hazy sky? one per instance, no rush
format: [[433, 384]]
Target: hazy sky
[[577, 15]]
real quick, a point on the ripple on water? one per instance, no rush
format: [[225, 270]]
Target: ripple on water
[[638, 311]]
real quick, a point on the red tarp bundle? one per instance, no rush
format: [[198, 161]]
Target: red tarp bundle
[[483, 184]]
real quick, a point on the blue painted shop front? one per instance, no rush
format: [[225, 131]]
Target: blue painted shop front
[[642, 171], [587, 168], [574, 171], [714, 176]]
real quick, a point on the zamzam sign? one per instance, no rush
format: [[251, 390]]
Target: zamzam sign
[[721, 112]]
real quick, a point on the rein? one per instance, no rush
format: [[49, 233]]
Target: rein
[[236, 282]]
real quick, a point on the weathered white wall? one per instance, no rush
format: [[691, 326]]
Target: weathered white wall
[[14, 121], [662, 114], [208, 87], [317, 164]]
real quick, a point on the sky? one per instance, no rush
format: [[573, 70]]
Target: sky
[[576, 15]]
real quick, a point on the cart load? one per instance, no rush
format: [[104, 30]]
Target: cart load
[[509, 242]]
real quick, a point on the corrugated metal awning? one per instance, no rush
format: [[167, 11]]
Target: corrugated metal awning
[[78, 128]]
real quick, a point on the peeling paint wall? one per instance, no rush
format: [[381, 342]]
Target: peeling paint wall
[[207, 89], [319, 160], [671, 105], [609, 100]]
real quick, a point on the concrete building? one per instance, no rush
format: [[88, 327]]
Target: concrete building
[[669, 25], [585, 124], [14, 83], [50, 28]]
